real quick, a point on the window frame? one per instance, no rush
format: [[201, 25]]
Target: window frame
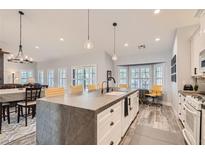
[[27, 76], [63, 79], [126, 78], [94, 79], [48, 78], [151, 77], [41, 81]]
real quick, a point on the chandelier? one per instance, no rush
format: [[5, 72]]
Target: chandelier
[[20, 58]]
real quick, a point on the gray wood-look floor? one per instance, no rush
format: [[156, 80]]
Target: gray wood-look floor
[[154, 125]]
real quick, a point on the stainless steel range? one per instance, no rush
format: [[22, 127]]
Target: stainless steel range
[[193, 118]]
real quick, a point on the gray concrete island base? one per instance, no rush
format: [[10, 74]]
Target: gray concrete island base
[[61, 124], [72, 119]]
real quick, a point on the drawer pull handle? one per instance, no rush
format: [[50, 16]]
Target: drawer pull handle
[[111, 143], [112, 123], [111, 111]]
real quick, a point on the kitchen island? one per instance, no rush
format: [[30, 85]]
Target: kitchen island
[[92, 118]]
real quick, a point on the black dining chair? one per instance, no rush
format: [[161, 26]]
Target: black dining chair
[[31, 95], [6, 112]]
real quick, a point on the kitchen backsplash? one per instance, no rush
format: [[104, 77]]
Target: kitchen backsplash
[[201, 84]]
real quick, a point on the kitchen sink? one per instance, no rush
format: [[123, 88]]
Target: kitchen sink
[[115, 93]]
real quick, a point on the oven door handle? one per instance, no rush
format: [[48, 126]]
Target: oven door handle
[[189, 110], [184, 132]]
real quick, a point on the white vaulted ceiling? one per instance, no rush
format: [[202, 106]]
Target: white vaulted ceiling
[[44, 28]]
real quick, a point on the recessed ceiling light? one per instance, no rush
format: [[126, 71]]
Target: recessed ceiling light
[[157, 39], [126, 45], [37, 47], [61, 39], [156, 11]]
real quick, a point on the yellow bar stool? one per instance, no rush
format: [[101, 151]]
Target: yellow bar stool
[[76, 89], [50, 92], [124, 86], [92, 87]]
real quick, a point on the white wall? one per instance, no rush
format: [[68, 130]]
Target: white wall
[[17, 68], [182, 49], [101, 59], [144, 58]]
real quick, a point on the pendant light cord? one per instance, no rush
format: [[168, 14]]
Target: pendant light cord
[[20, 45], [20, 29], [114, 39], [88, 24]]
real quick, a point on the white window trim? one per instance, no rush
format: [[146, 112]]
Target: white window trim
[[66, 79], [53, 77], [80, 66], [152, 73], [26, 70], [43, 76]]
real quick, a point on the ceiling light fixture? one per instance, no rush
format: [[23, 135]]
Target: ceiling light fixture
[[88, 43], [37, 47], [114, 57], [141, 46], [61, 39], [126, 45], [156, 11], [20, 58], [157, 39]]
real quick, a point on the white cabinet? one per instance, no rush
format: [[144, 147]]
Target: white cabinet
[[112, 123], [181, 109], [203, 127], [109, 125], [133, 108], [197, 45]]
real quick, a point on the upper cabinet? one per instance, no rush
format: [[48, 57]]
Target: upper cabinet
[[197, 46]]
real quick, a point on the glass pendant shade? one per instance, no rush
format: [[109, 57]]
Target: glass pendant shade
[[114, 57], [88, 44]]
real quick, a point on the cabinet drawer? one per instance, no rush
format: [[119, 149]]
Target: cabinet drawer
[[113, 136], [108, 111], [108, 121]]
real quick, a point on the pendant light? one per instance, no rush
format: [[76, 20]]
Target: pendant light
[[114, 57], [20, 58], [88, 43]]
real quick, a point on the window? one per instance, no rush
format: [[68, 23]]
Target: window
[[123, 75], [135, 77], [62, 78], [40, 77], [25, 76], [145, 77], [84, 75], [51, 78], [158, 74], [141, 76]]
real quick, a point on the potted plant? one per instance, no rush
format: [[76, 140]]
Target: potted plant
[[196, 86]]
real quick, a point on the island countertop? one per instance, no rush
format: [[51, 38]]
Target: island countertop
[[94, 101]]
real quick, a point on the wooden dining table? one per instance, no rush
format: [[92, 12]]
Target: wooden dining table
[[11, 96]]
